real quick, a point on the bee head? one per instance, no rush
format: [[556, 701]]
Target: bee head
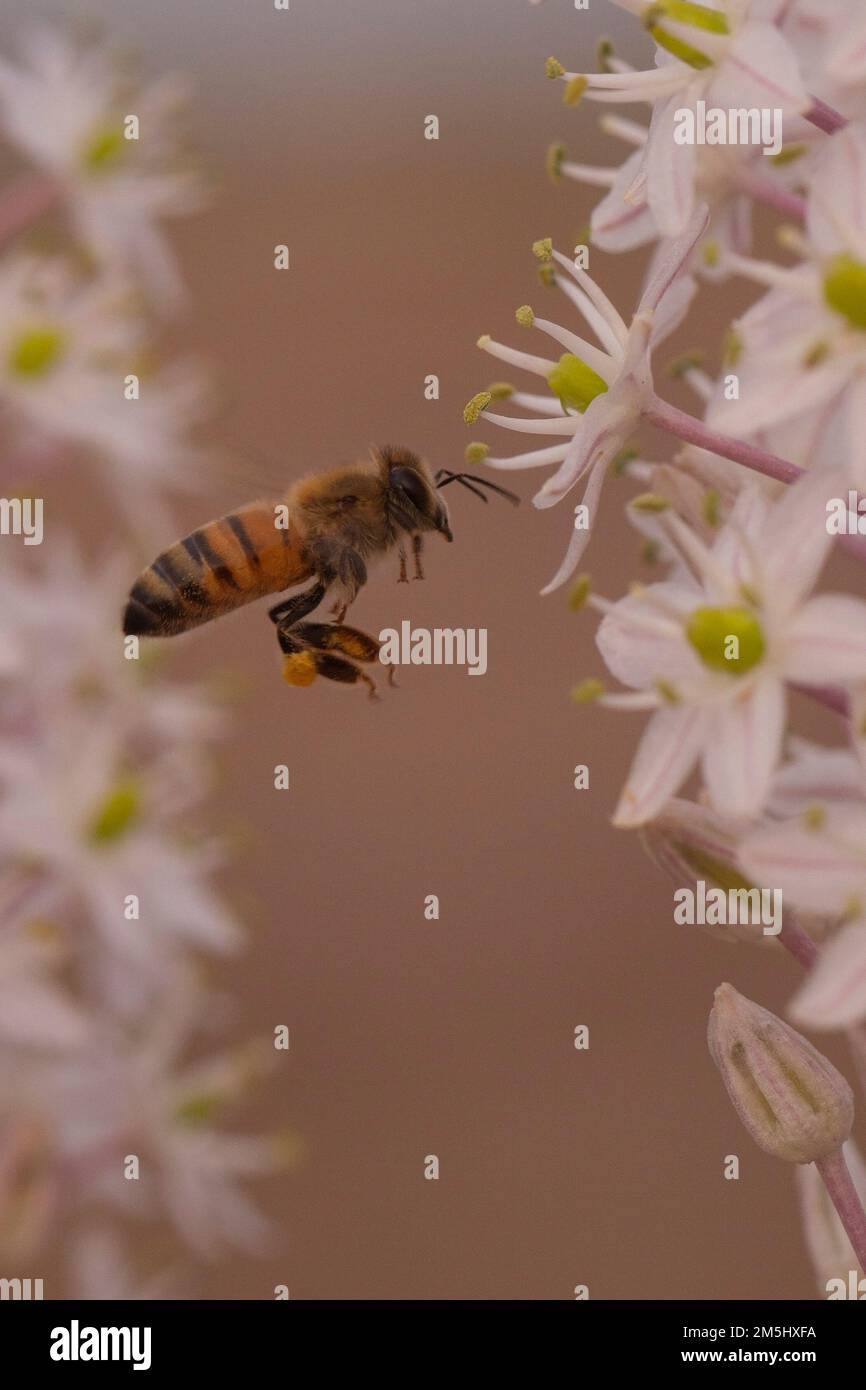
[[414, 502]]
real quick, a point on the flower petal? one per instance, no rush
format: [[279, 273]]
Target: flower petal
[[826, 641], [668, 750], [821, 870], [834, 995], [670, 169], [743, 751]]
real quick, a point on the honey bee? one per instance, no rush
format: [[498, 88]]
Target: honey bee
[[327, 528]]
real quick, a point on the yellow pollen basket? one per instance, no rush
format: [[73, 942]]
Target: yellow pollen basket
[[299, 668], [730, 640]]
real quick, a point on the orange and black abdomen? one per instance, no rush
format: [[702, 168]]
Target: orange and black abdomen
[[216, 569]]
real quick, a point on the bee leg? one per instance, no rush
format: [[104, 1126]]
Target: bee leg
[[336, 668], [291, 610], [337, 637], [343, 568], [323, 640], [403, 577], [417, 547]]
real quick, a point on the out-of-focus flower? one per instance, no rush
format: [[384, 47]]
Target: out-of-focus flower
[[819, 862], [74, 811], [101, 1269], [598, 393], [67, 346], [29, 1188], [35, 1011], [133, 1095], [726, 55], [711, 651], [692, 842], [57, 332], [791, 1099], [727, 178], [65, 107], [60, 619], [815, 775], [829, 38]]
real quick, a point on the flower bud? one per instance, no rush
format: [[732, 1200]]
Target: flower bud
[[691, 842], [793, 1102]]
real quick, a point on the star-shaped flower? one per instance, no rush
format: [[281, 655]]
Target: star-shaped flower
[[598, 393]]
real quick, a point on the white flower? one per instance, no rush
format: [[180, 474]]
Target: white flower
[[711, 651], [829, 37], [599, 393], [135, 1095], [67, 346], [819, 863], [64, 108], [726, 54], [816, 775], [84, 820], [726, 178], [100, 1269], [61, 618], [800, 352], [144, 446], [34, 1010], [58, 331]]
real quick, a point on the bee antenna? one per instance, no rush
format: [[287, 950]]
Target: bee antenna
[[469, 479]]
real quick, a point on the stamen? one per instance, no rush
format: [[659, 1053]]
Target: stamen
[[539, 366], [537, 458]]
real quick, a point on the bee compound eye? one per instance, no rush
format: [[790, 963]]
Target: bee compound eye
[[407, 481]]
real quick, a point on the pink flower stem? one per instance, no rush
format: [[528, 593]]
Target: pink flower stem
[[692, 431], [843, 1194], [25, 201], [824, 116], [795, 940], [772, 195]]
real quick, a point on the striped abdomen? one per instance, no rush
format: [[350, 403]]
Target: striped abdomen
[[223, 565]]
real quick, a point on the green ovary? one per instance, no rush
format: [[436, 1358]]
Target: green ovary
[[845, 288], [103, 148], [726, 639], [198, 1109], [117, 814], [576, 384], [36, 350]]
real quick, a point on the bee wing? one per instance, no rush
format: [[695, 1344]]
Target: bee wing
[[244, 472]]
